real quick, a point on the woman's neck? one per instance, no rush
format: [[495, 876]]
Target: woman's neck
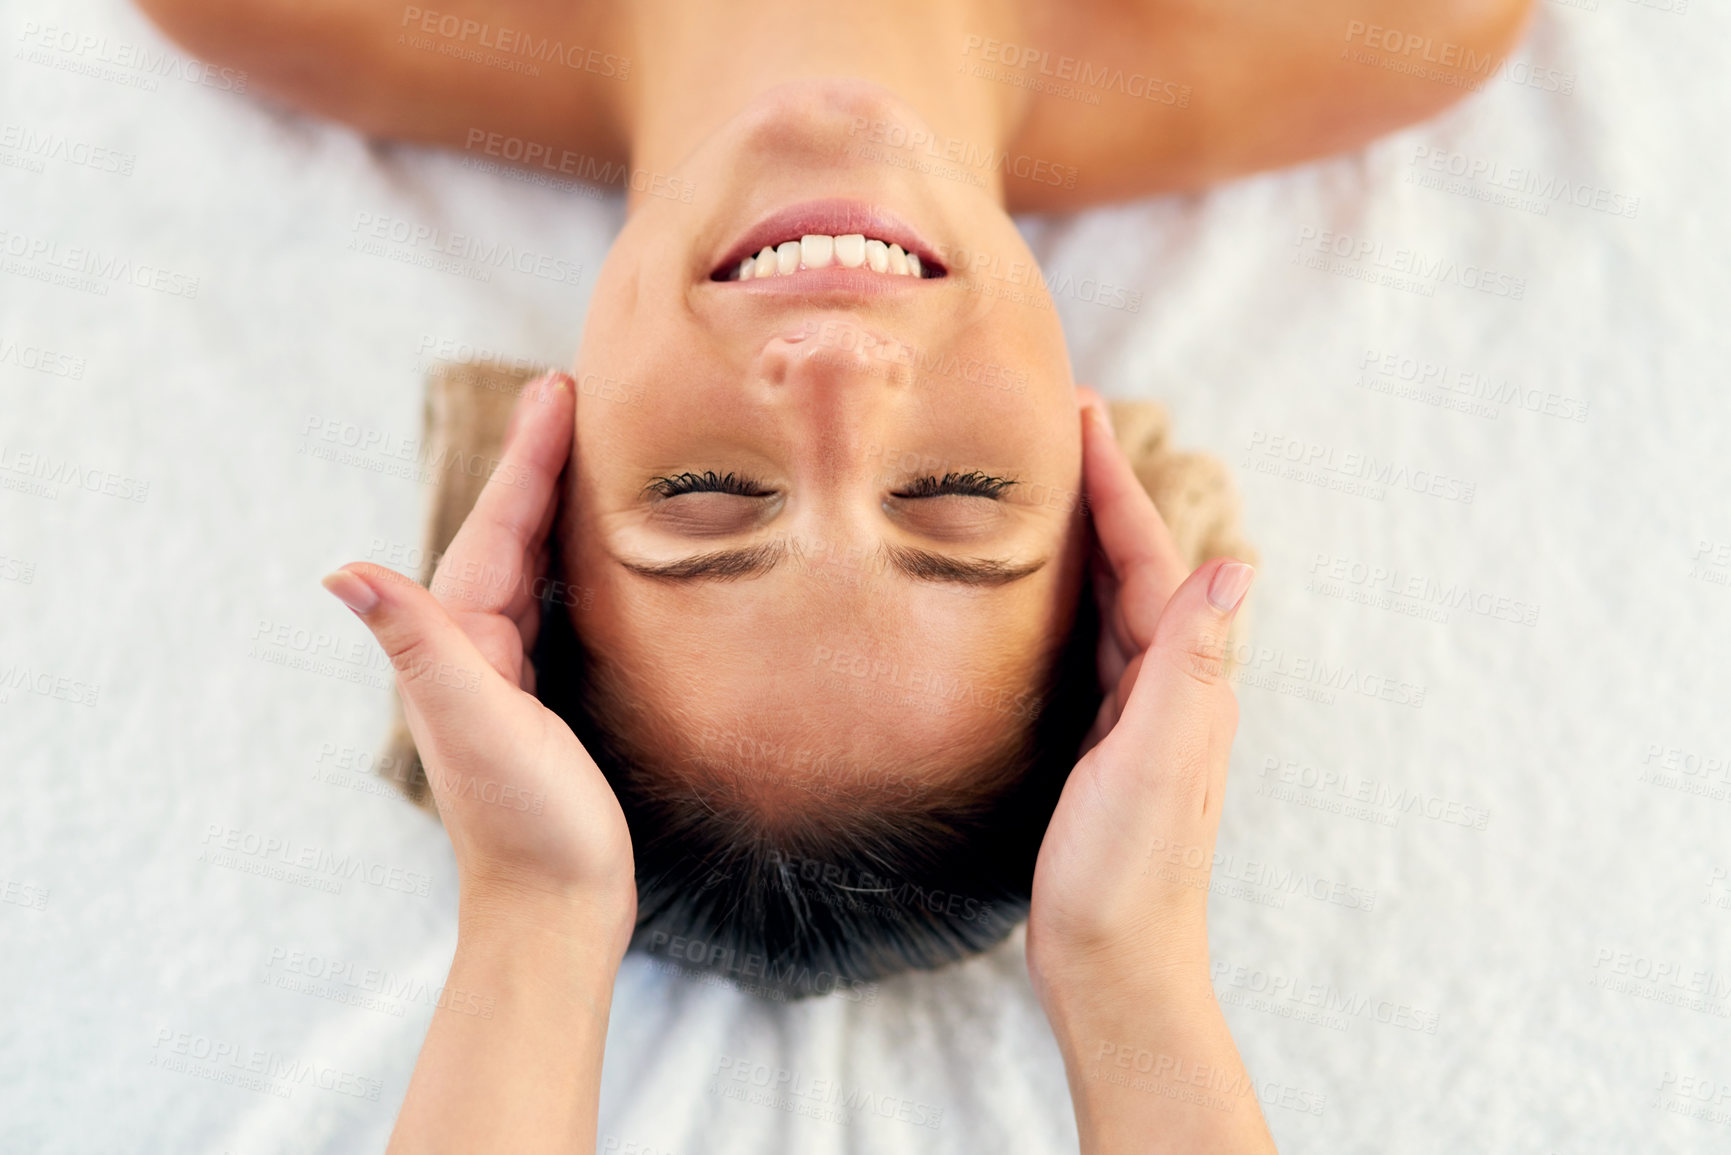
[[698, 64]]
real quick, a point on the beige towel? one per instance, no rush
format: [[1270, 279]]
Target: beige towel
[[468, 406]]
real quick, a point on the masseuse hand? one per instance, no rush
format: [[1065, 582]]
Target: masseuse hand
[[1117, 933], [526, 807], [512, 1061]]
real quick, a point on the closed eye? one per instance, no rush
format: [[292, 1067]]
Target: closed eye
[[974, 484], [707, 482]]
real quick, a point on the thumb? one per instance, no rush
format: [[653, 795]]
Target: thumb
[[457, 704], [1182, 715]]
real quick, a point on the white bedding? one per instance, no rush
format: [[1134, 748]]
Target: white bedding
[[174, 680]]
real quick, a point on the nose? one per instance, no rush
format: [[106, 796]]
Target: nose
[[833, 355], [839, 386]]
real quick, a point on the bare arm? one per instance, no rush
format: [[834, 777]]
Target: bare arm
[[432, 72], [512, 1060], [1117, 929], [1231, 87]]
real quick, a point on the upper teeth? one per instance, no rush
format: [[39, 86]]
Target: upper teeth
[[815, 251]]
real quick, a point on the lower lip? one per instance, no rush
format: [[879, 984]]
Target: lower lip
[[834, 279]]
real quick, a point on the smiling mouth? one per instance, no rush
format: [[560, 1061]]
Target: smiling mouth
[[820, 251]]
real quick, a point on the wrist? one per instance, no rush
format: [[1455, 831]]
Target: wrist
[[1089, 1007], [1153, 1056], [501, 910], [1098, 971]]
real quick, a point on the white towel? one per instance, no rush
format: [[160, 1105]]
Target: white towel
[[1397, 978]]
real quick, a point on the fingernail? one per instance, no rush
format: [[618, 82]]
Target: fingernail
[[547, 386], [1105, 416], [1230, 583], [352, 591], [540, 388]]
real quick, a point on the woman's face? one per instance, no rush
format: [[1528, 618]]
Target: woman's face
[[827, 523]]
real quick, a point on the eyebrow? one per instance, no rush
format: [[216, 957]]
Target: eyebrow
[[756, 560]]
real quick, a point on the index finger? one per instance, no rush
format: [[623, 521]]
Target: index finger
[[484, 567], [1139, 548]]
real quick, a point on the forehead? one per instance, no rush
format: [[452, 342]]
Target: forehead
[[830, 680], [909, 746]]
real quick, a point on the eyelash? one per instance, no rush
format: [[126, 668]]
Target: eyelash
[[973, 484], [707, 482]]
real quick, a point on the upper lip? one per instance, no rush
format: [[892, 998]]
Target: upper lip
[[836, 218]]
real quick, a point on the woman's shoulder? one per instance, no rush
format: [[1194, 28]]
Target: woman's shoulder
[[492, 77], [1150, 96]]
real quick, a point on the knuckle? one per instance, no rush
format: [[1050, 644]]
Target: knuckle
[[456, 586], [1201, 658], [411, 655]]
